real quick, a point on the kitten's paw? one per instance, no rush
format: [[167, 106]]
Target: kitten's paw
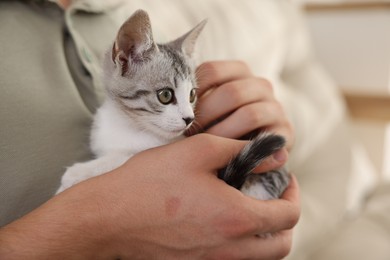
[[81, 171], [73, 175]]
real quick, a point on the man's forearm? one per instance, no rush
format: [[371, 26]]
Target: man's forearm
[[56, 230]]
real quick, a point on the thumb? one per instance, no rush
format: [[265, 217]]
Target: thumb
[[211, 151], [276, 160]]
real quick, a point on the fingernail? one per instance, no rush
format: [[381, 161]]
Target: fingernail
[[280, 156]]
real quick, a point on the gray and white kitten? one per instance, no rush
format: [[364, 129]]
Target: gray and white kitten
[[150, 101]]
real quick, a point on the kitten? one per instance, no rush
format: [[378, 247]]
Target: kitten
[[150, 101]]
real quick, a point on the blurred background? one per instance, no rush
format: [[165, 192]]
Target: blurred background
[[352, 40]]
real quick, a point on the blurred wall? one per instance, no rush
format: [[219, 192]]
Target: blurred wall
[[354, 44], [352, 40]]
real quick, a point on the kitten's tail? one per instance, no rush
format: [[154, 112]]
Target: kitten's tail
[[237, 171]]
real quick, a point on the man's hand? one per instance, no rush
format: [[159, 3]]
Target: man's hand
[[233, 103], [163, 203]]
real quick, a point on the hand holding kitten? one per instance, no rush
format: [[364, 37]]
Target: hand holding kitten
[[233, 103], [162, 210], [229, 90], [166, 201]]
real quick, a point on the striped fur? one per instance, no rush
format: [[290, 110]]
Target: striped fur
[[238, 173]]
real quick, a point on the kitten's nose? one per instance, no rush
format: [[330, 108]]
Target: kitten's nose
[[188, 120]]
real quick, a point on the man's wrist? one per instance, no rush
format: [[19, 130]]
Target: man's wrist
[[67, 226]]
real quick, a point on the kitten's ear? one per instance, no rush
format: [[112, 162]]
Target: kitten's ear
[[134, 42], [186, 43]]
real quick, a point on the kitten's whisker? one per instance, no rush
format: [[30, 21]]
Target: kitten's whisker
[[200, 127], [199, 115], [195, 129]]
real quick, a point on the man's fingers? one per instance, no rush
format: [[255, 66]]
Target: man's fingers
[[270, 246], [246, 119], [230, 96], [210, 74], [277, 160], [272, 216], [216, 151]]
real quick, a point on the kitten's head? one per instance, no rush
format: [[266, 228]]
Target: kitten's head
[[154, 84]]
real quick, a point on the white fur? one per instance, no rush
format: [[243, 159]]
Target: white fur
[[82, 171], [115, 132], [256, 190]]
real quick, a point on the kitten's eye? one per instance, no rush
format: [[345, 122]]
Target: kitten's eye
[[192, 95], [165, 96]]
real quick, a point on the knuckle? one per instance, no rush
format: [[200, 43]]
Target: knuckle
[[278, 107], [292, 220], [290, 126], [210, 70], [296, 213], [265, 83], [253, 116], [234, 93], [285, 245], [243, 65]]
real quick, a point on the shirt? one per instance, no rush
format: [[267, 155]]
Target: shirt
[[50, 87]]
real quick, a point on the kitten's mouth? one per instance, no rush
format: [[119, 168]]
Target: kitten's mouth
[[172, 132], [179, 131]]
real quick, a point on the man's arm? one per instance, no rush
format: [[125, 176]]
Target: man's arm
[[165, 202]]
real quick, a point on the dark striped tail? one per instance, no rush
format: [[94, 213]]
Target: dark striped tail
[[251, 156]]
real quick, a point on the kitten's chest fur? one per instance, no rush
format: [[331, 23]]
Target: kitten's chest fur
[[114, 132]]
